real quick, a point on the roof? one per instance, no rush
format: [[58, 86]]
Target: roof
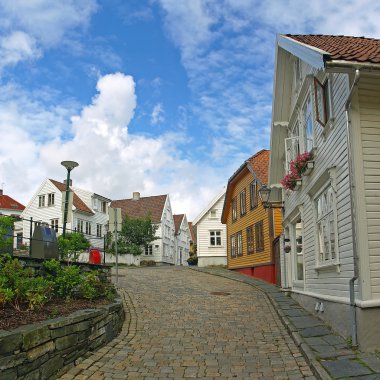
[[77, 202], [343, 48], [177, 222], [191, 229], [257, 165], [209, 207], [8, 203], [140, 208]]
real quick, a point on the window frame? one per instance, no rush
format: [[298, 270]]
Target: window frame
[[323, 88], [233, 245], [217, 236], [88, 227], [213, 214], [51, 199], [148, 251], [234, 209], [239, 243], [253, 194], [321, 261], [243, 202], [54, 224], [99, 230], [259, 236], [41, 201], [250, 240], [80, 225]]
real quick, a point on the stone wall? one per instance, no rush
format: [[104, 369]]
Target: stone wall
[[40, 351]]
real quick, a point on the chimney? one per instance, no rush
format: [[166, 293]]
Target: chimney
[[1, 191], [135, 196], [70, 183]]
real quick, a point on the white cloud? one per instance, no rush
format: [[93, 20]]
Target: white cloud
[[29, 27], [112, 161], [157, 116], [16, 47]]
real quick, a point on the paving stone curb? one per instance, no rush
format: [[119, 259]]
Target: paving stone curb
[[326, 359]]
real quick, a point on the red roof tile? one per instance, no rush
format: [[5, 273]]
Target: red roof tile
[[8, 203], [259, 164], [142, 207], [352, 49], [177, 222], [191, 228], [77, 202]]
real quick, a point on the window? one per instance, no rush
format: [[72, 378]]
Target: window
[[215, 238], [88, 228], [233, 207], [253, 194], [297, 231], [80, 225], [322, 93], [213, 214], [233, 240], [99, 230], [249, 232], [242, 203], [41, 201], [259, 236], [307, 111], [148, 250], [239, 244], [51, 199], [104, 206], [54, 224], [326, 226]]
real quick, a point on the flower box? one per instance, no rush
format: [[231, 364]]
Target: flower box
[[309, 168], [298, 185]]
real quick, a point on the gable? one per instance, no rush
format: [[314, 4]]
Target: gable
[[153, 206]]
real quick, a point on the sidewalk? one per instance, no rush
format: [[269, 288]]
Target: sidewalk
[[328, 354]]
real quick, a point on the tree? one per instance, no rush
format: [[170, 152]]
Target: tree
[[70, 246], [135, 234], [6, 234]]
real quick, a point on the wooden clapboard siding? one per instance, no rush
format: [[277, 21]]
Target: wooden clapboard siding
[[369, 105], [249, 219], [331, 152]]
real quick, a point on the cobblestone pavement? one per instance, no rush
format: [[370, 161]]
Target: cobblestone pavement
[[185, 324]]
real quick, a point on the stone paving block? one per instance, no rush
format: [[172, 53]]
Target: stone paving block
[[345, 368], [314, 331], [304, 322]]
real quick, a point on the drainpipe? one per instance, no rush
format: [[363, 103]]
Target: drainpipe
[[350, 177]]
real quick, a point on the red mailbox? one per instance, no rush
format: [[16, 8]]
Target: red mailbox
[[95, 256]]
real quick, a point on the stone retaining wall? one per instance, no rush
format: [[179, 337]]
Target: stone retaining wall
[[41, 351]]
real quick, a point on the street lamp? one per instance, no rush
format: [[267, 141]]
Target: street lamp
[[264, 194], [69, 165]]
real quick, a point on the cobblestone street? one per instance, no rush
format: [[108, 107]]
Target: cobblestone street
[[186, 324]]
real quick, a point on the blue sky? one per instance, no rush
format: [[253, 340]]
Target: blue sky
[[156, 96]]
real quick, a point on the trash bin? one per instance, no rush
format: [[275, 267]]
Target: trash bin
[[94, 256]]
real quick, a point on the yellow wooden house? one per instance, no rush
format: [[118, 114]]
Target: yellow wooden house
[[251, 228]]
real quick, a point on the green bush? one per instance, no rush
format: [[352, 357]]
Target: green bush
[[19, 287], [22, 289]]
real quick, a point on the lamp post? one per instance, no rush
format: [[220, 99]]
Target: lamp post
[[69, 165], [264, 194]]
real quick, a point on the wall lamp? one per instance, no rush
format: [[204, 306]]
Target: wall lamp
[[264, 194]]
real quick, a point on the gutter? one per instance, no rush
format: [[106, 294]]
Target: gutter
[[350, 176], [363, 66]]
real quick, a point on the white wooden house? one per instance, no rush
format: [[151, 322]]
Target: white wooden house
[[211, 233], [326, 100], [159, 209], [182, 239], [89, 212]]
